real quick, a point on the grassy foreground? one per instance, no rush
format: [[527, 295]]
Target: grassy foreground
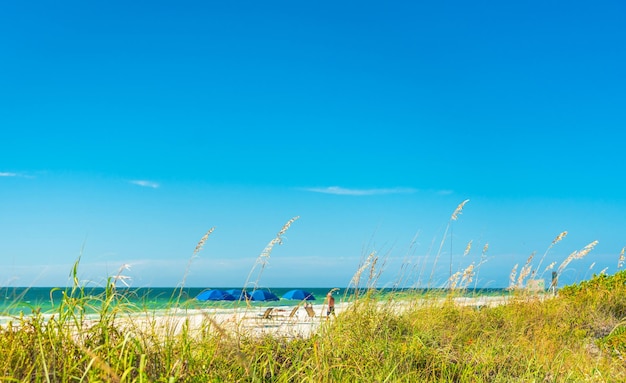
[[579, 335]]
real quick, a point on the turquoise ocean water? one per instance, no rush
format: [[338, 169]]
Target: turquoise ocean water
[[15, 301]]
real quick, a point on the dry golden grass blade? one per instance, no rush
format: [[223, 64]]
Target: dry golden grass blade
[[101, 364], [468, 248]]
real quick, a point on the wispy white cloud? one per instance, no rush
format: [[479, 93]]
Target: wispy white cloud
[[145, 183], [15, 175], [338, 190]]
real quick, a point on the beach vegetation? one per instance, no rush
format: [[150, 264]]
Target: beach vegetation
[[577, 333]]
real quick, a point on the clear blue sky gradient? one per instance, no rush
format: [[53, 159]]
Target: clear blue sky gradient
[[128, 129]]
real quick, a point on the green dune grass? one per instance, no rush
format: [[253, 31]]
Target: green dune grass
[[575, 335], [579, 335]]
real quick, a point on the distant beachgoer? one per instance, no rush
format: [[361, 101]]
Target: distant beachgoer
[[331, 304], [555, 281]]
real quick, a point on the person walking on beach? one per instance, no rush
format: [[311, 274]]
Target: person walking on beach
[[331, 304]]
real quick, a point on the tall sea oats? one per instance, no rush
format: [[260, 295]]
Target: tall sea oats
[[265, 254], [512, 277], [483, 259], [559, 238], [454, 280], [466, 278], [408, 266], [468, 248], [453, 217], [620, 261], [483, 255], [576, 255], [199, 247], [458, 210], [586, 250], [200, 244], [263, 258], [373, 271], [556, 240], [356, 278], [566, 262], [525, 271], [286, 227]]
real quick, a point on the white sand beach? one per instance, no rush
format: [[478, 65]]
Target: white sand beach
[[289, 322], [285, 321]]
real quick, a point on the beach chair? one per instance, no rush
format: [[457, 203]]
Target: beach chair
[[293, 312], [282, 314], [267, 314], [310, 312]]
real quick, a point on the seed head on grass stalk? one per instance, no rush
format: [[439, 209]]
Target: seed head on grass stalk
[[466, 278], [525, 271], [200, 244], [264, 257], [576, 255], [356, 278], [620, 261], [483, 259], [454, 280], [453, 217], [512, 277], [468, 248], [408, 267], [458, 210], [556, 240], [199, 247]]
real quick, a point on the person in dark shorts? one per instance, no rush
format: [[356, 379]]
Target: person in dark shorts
[[331, 304]]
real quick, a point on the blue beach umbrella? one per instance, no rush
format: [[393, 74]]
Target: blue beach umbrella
[[262, 295], [239, 294], [299, 295], [214, 295]]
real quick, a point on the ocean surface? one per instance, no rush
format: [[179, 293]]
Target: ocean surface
[[16, 301]]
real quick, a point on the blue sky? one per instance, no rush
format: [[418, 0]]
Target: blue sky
[[130, 129]]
